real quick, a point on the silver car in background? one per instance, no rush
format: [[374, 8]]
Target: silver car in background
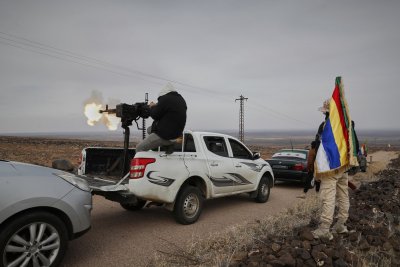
[[41, 209]]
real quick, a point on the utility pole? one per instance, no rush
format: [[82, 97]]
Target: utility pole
[[241, 117], [144, 130]]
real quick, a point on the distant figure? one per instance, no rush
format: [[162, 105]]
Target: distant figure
[[169, 116], [360, 158], [357, 144], [364, 150]]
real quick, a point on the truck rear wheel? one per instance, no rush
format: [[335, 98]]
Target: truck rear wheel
[[133, 207], [263, 190], [188, 205]]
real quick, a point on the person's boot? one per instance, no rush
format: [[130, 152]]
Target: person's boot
[[169, 149], [340, 228], [322, 234]]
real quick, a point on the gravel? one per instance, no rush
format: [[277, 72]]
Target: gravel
[[373, 238]]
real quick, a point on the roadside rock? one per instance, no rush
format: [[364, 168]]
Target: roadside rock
[[62, 164], [373, 224]]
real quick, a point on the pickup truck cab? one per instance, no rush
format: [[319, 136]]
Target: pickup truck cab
[[203, 166]]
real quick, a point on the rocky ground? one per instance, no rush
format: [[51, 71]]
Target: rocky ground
[[43, 151], [373, 239]]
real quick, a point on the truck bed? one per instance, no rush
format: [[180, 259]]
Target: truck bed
[[104, 162]]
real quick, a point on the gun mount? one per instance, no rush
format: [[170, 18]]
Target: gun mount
[[128, 114]]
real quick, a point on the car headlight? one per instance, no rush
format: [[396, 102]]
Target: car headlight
[[74, 180]]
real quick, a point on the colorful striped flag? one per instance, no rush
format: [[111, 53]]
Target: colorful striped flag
[[336, 152]]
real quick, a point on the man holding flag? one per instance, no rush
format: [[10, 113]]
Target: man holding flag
[[335, 155]]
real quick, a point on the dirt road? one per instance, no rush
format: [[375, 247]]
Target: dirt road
[[123, 238]]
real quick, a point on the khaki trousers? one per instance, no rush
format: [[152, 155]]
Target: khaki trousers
[[152, 141], [334, 190]]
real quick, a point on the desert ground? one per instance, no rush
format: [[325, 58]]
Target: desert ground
[[43, 151]]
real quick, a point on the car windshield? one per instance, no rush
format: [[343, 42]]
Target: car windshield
[[291, 155]]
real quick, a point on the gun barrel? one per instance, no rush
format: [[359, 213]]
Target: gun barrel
[[109, 111]]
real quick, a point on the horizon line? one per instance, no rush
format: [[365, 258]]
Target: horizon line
[[195, 130]]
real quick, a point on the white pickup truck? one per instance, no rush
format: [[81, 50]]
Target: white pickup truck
[[205, 165]]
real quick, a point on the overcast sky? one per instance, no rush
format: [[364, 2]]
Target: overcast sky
[[282, 55]]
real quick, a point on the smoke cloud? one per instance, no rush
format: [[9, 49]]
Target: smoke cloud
[[92, 107]]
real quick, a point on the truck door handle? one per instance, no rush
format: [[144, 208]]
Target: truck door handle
[[214, 164], [238, 166]]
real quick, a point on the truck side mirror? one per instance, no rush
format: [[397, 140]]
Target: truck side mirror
[[256, 155]]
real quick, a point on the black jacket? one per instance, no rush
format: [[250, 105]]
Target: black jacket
[[169, 116]]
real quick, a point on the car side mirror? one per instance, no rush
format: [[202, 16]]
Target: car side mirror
[[256, 155]]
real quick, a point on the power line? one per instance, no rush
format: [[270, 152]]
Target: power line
[[277, 114], [69, 56], [67, 53], [73, 61], [83, 63]]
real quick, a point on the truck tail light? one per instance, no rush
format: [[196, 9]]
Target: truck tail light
[[297, 167], [138, 167]]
